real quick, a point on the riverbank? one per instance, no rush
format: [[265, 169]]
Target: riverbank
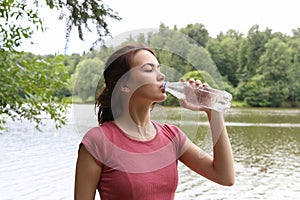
[[234, 104]]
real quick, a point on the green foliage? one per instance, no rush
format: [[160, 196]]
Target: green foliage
[[71, 61], [171, 101], [274, 67], [170, 72], [259, 95], [260, 69], [104, 53], [86, 78], [269, 88], [251, 50], [17, 20], [202, 61], [201, 75], [35, 86], [197, 32], [27, 88], [294, 71], [253, 92], [81, 14], [224, 52]]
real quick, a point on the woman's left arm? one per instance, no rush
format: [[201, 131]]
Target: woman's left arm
[[220, 167]]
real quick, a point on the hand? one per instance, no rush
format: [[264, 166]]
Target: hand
[[192, 97]]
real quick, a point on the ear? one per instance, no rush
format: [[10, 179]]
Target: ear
[[125, 89]]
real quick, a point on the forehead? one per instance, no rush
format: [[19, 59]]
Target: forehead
[[143, 56]]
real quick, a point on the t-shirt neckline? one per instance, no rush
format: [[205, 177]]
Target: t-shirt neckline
[[156, 126]]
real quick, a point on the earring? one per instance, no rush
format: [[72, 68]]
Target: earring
[[125, 89]]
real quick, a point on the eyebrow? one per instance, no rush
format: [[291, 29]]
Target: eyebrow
[[151, 64]]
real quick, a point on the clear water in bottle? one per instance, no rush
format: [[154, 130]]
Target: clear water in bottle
[[211, 98]]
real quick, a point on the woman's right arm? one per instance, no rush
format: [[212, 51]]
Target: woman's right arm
[[87, 175]]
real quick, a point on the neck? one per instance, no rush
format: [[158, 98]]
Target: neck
[[136, 122]]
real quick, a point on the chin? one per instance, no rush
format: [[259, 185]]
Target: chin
[[161, 99]]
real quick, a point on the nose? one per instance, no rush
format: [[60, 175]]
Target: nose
[[161, 76]]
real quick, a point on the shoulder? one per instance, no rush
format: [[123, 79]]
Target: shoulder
[[170, 131], [176, 136], [103, 135], [92, 137], [97, 143], [97, 131], [168, 126]]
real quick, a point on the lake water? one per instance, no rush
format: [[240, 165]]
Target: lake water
[[266, 144]]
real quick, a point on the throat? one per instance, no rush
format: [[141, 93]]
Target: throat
[[146, 132], [142, 133]]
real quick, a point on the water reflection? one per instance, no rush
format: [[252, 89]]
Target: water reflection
[[266, 146]]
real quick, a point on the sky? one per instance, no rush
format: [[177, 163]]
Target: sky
[[215, 15]]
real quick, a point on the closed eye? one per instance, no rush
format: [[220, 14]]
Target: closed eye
[[149, 67]]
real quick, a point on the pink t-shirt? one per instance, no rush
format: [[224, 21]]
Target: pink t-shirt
[[133, 169]]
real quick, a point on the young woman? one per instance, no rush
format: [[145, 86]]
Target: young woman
[[130, 156]]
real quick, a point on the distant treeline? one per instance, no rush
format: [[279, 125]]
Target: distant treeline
[[260, 69]]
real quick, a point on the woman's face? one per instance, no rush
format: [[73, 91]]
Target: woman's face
[[145, 79]]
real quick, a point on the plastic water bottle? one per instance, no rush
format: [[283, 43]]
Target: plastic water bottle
[[206, 97]]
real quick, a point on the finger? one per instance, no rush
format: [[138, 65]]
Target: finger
[[205, 85], [182, 79], [198, 83], [192, 81]]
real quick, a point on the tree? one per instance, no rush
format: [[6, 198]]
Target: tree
[[224, 51], [201, 60], [86, 78], [28, 83], [269, 87], [197, 32], [251, 50], [296, 33], [81, 14], [253, 92], [171, 53], [294, 73], [27, 88]]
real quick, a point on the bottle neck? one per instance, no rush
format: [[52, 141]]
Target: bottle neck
[[165, 85]]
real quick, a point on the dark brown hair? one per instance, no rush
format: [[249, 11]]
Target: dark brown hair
[[117, 65]]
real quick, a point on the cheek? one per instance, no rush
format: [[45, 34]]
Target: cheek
[[139, 82], [143, 88]]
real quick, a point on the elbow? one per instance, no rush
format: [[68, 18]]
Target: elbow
[[226, 180], [229, 181]]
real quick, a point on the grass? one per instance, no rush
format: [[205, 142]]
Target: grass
[[238, 104]]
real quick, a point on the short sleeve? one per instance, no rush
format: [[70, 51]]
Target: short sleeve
[[92, 142], [184, 144], [181, 141]]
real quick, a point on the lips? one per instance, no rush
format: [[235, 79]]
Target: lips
[[161, 87]]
